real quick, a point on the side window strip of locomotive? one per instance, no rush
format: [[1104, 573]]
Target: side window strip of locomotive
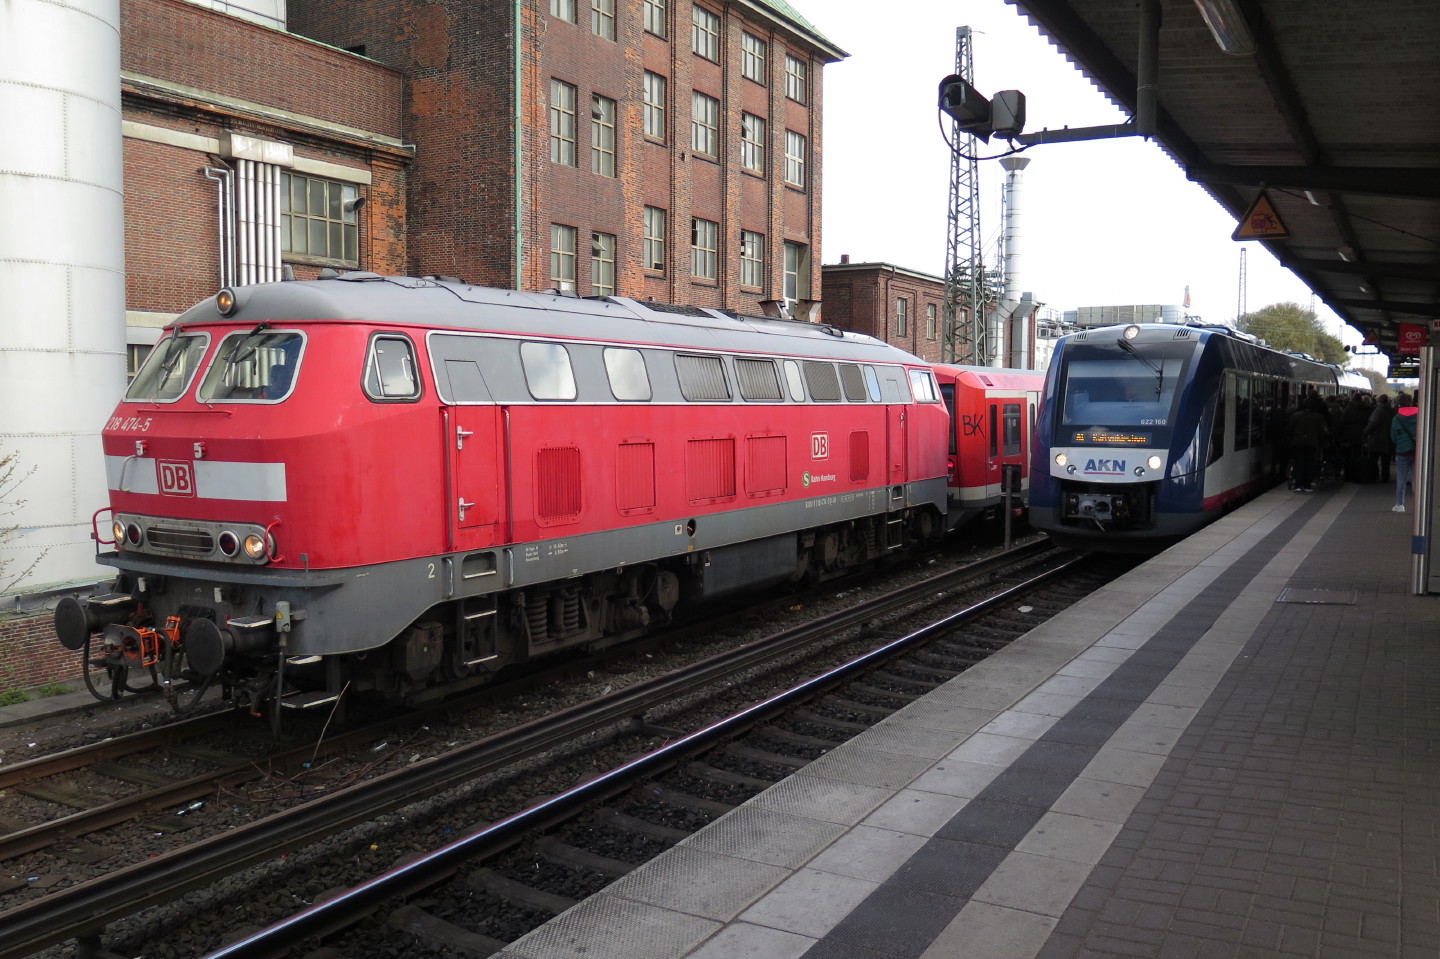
[[390, 369], [167, 371], [853, 382], [547, 371], [759, 382], [794, 381], [701, 377], [253, 366], [872, 384], [625, 369], [824, 384]]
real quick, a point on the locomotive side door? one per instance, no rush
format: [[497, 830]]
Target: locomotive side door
[[477, 464]]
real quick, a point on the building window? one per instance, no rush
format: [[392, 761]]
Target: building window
[[654, 238], [752, 143], [902, 316], [794, 158], [705, 33], [602, 264], [752, 57], [795, 71], [654, 106], [704, 118], [563, 9], [704, 249], [602, 135], [930, 321], [752, 259], [797, 272], [562, 256], [602, 18], [317, 218], [655, 17], [562, 123]]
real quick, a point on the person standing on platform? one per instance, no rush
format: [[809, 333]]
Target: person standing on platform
[[1378, 447], [1309, 434], [1402, 434]]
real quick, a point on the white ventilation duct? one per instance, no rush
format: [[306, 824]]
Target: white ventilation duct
[[1010, 266]]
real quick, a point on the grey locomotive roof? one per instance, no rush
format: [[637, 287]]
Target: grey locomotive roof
[[452, 305]]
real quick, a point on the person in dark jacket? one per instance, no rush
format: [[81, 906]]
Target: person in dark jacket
[[1309, 433], [1378, 447], [1402, 434], [1354, 417]]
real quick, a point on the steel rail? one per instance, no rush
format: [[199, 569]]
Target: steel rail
[[86, 908], [361, 901]]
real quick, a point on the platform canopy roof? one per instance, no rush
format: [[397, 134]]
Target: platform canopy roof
[[1332, 106]]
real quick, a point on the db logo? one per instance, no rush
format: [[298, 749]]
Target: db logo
[[820, 446], [176, 478]]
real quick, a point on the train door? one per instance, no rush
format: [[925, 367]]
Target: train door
[[1005, 434], [476, 441]]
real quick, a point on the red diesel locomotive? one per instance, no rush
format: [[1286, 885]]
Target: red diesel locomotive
[[403, 484]]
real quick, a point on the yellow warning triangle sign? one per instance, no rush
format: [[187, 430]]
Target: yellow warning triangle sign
[[1261, 221]]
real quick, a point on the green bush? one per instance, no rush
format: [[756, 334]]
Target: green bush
[[13, 697], [52, 688]]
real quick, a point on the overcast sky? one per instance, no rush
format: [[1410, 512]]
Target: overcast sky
[[1105, 222]]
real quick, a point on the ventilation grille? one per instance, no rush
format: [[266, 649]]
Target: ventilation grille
[[557, 484], [710, 469]]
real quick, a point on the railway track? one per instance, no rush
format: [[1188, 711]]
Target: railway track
[[83, 911]]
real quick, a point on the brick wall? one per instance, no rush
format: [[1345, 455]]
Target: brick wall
[[172, 228], [201, 48], [862, 297], [461, 111], [30, 655]]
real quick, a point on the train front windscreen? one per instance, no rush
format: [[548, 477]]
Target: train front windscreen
[[1120, 395]]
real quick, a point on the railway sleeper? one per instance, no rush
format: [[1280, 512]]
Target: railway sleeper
[[517, 893], [844, 726], [441, 936], [880, 692], [752, 754], [714, 774], [928, 684], [799, 739], [623, 822], [564, 854], [684, 800], [843, 704]]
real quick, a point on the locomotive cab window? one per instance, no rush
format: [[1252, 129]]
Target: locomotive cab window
[[922, 385], [824, 384], [853, 382], [254, 366], [167, 371], [548, 372], [390, 369]]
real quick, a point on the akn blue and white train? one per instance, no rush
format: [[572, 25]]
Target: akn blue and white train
[[1148, 432]]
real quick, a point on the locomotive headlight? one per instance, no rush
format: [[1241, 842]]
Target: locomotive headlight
[[225, 301], [118, 530], [132, 534], [229, 543], [1061, 459], [1153, 462], [1131, 332], [255, 546]]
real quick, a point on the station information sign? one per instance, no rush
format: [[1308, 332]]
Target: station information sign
[[1108, 438]]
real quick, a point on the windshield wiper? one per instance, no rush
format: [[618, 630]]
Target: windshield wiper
[[231, 357], [1159, 371]]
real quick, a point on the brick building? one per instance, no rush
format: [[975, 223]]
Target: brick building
[[247, 150], [663, 149], [900, 306]]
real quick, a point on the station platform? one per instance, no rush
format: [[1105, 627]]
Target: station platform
[[1234, 750]]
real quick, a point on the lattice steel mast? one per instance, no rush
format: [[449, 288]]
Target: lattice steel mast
[[965, 288]]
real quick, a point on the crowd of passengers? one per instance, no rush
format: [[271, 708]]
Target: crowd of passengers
[[1356, 438]]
